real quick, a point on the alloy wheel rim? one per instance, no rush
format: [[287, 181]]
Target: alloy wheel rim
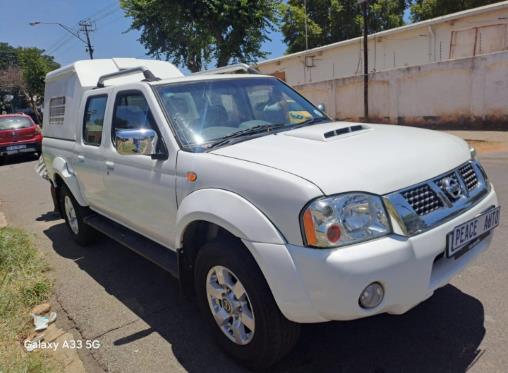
[[71, 215], [230, 305]]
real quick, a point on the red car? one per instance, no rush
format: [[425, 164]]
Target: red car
[[19, 134]]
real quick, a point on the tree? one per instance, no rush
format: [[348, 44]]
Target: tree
[[10, 83], [22, 73], [8, 56], [34, 66], [330, 21], [195, 32], [425, 9]]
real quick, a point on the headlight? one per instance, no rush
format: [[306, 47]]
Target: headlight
[[344, 219]]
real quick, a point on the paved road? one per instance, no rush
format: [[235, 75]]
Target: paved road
[[133, 308]]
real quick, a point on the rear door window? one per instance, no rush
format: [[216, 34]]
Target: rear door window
[[93, 120]]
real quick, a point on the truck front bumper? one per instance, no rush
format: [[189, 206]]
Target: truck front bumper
[[313, 285]]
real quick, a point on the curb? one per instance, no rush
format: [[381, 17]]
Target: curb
[[3, 219]]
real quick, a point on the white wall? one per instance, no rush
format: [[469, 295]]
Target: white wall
[[473, 34], [469, 92]]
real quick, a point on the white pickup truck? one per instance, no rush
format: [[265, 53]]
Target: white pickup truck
[[267, 211]]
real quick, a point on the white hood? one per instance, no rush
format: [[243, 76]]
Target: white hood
[[378, 159]]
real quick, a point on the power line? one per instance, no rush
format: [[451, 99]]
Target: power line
[[60, 45], [56, 45], [101, 13], [105, 15], [104, 9]]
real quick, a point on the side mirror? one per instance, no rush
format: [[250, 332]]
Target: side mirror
[[142, 141], [322, 108]]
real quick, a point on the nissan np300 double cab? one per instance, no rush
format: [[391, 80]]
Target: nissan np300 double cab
[[265, 209]]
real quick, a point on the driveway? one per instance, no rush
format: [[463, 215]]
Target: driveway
[[108, 293]]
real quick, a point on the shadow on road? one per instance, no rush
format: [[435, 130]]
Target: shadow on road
[[49, 216], [15, 159], [440, 335]]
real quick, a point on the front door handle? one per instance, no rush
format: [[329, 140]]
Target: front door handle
[[110, 165], [81, 158]]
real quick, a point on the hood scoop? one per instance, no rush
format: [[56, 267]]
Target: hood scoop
[[344, 130], [328, 133]]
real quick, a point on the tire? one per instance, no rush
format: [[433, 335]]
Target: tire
[[74, 214], [273, 335]]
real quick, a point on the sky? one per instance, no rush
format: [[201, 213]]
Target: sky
[[112, 37]]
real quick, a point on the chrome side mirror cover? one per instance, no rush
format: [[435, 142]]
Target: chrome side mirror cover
[[322, 108], [142, 141]]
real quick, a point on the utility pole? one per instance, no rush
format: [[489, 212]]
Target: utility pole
[[365, 14], [86, 27], [306, 29]]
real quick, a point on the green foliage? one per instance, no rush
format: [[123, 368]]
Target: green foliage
[[23, 284], [330, 21], [425, 9], [8, 56], [22, 73], [195, 32], [34, 67]]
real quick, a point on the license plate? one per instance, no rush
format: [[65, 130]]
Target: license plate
[[26, 150], [469, 232], [16, 147]]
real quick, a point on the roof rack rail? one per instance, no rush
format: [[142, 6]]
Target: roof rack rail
[[149, 76], [238, 68]]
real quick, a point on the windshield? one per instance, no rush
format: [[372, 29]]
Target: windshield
[[205, 112], [14, 123]]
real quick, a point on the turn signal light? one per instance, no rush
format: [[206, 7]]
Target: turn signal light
[[308, 226], [191, 176]]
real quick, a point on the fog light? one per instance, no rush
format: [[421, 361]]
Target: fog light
[[372, 295]]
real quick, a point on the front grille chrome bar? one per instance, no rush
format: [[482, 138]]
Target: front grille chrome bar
[[426, 205]]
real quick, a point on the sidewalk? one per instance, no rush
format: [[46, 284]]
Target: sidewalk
[[485, 141], [66, 346]]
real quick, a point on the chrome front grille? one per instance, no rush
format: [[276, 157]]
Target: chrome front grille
[[468, 174], [423, 206], [423, 199]]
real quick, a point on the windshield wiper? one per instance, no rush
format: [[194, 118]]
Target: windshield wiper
[[261, 128], [310, 121]]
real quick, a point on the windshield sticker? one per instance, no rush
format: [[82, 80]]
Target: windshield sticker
[[296, 117]]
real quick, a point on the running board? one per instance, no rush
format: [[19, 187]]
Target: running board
[[156, 253]]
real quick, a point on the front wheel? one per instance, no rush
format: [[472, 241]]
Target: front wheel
[[74, 214], [237, 302]]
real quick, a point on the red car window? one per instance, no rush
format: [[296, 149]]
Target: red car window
[[14, 123]]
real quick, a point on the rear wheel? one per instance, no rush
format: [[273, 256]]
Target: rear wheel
[[237, 302], [74, 214]]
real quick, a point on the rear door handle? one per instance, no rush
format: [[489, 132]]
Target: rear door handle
[[81, 158], [110, 165]]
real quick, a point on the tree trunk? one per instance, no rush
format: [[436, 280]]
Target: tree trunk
[[222, 59], [33, 105], [223, 56], [193, 64]]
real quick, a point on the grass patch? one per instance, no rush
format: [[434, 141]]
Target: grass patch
[[23, 284]]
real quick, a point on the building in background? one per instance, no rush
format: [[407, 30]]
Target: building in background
[[451, 70]]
